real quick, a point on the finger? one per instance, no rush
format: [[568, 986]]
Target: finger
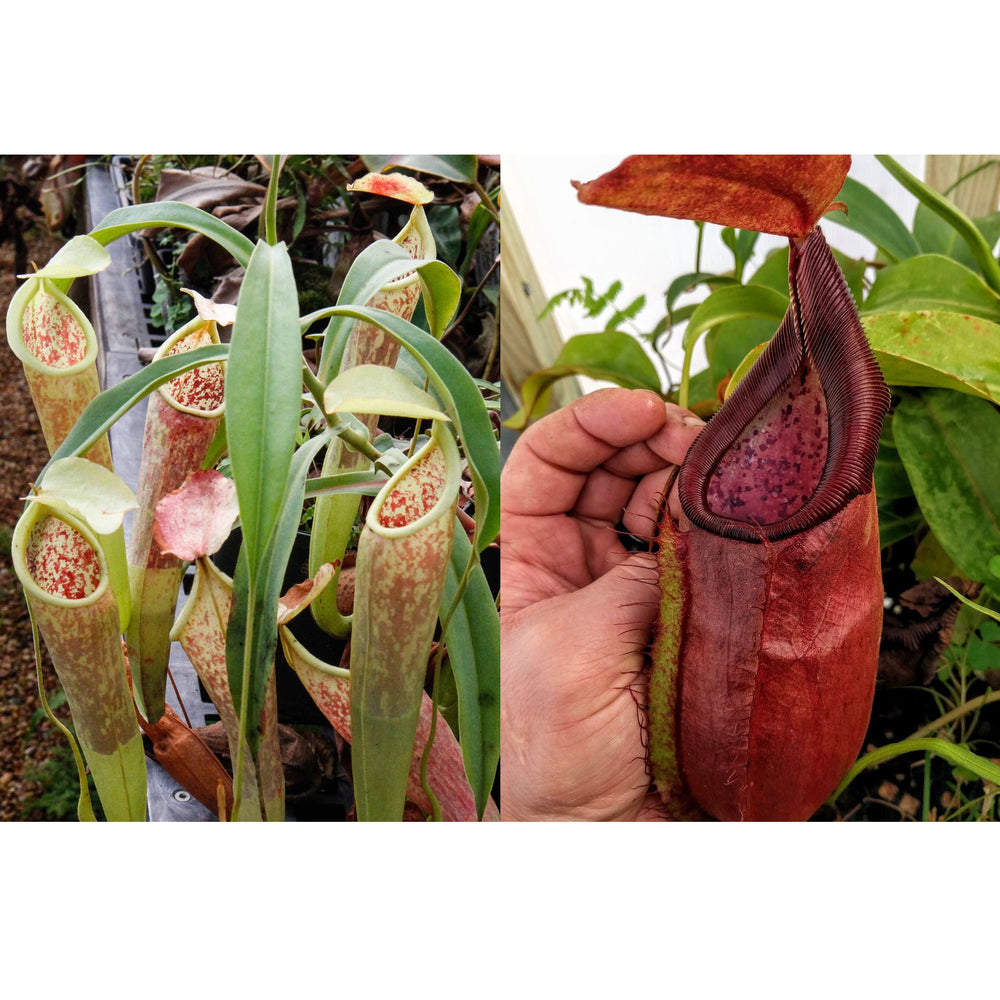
[[548, 467], [670, 444]]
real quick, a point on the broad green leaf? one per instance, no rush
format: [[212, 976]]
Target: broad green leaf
[[950, 445], [728, 345], [263, 391], [610, 356], [932, 282], [688, 282], [702, 393], [743, 250], [931, 560], [933, 234], [453, 168], [937, 349], [441, 290], [472, 637], [899, 515], [979, 248], [377, 389], [170, 214], [870, 216], [738, 302], [891, 480], [937, 235], [773, 271], [894, 526], [739, 373]]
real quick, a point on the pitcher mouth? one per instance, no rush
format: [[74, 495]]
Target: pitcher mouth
[[797, 439], [24, 565]]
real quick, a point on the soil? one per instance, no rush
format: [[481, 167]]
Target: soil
[[30, 745]]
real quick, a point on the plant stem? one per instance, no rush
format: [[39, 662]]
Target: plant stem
[[956, 713], [684, 389], [486, 201], [270, 213]]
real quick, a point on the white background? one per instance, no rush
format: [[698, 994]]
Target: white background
[[567, 239]]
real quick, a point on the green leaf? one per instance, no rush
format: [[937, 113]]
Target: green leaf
[[932, 282], [937, 235], [745, 243], [937, 350], [981, 251], [170, 214], [252, 635], [739, 372], [441, 290], [688, 282], [737, 302], [954, 754], [995, 615], [88, 490], [773, 271], [453, 168], [472, 637], [870, 216], [80, 257], [377, 389], [950, 445], [117, 400], [463, 402], [263, 391], [899, 515], [610, 356], [376, 266], [730, 345]]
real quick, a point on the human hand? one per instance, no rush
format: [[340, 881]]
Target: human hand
[[578, 609]]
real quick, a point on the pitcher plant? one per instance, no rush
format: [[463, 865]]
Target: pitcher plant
[[293, 432]]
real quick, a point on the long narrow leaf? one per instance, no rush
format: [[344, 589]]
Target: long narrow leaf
[[472, 636], [954, 754], [463, 402], [122, 221], [253, 628], [117, 400], [263, 391], [375, 267]]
